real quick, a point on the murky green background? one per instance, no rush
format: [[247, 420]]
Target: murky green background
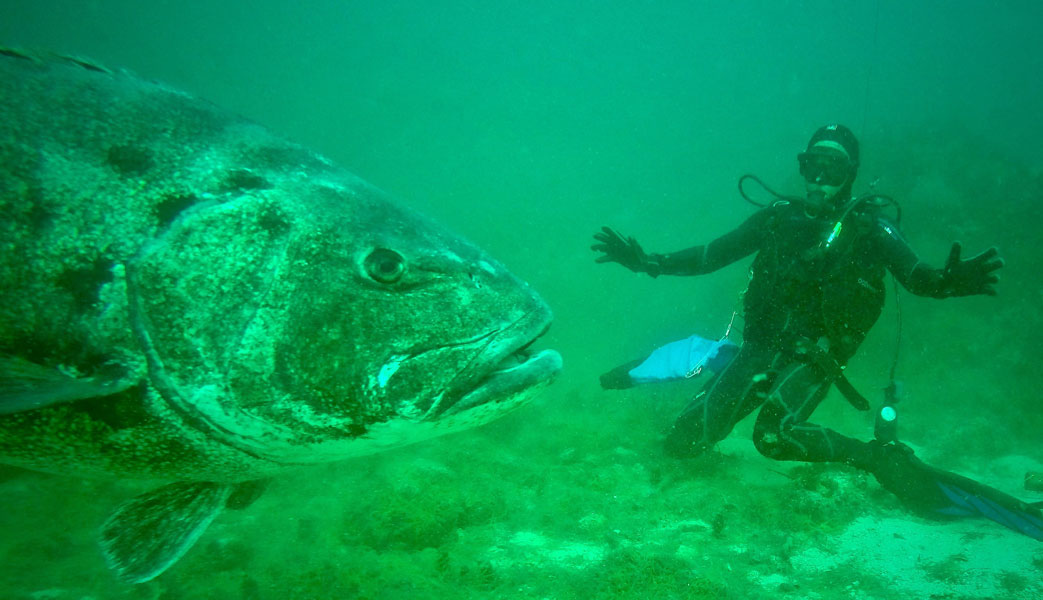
[[526, 126]]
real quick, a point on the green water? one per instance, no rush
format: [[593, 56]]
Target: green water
[[525, 126]]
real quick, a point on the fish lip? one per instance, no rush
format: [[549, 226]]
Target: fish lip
[[505, 367]]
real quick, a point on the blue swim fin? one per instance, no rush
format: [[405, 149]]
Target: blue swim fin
[[944, 495], [970, 498], [684, 359]]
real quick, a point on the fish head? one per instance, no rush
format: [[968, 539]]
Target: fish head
[[408, 328], [323, 320]]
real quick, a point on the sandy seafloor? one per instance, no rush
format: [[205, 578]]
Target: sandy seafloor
[[540, 506]]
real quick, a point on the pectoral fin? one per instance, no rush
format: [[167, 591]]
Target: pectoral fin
[[25, 385], [151, 532]]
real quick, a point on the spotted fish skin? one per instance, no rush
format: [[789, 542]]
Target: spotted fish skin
[[252, 306]]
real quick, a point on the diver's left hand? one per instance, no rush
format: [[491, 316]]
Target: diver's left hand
[[971, 276], [623, 250]]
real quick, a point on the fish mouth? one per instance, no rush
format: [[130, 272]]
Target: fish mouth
[[506, 372]]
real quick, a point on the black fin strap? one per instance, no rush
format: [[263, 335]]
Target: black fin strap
[[814, 354], [850, 393]]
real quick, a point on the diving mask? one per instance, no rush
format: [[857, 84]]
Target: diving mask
[[824, 169]]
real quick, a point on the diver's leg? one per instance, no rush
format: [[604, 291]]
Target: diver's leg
[[942, 494], [783, 433], [723, 402], [782, 430]]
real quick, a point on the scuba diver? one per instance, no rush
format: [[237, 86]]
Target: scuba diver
[[816, 287]]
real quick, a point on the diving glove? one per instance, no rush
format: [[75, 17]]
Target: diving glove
[[627, 252], [971, 276]]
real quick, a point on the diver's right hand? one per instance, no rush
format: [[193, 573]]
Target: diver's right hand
[[627, 252]]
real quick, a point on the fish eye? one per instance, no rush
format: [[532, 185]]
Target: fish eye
[[384, 265]]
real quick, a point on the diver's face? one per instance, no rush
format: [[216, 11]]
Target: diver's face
[[821, 196], [825, 174]]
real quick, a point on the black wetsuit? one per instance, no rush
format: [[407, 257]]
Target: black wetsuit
[[808, 307]]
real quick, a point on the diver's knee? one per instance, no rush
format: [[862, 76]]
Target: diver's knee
[[767, 441]]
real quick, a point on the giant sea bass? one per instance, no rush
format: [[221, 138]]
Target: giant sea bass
[[185, 296]]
